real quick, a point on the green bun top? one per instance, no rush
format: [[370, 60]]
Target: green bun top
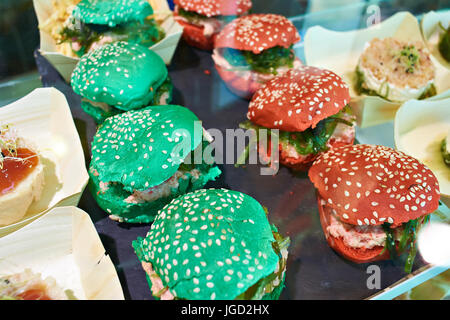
[[120, 74], [210, 244], [112, 12], [143, 148]]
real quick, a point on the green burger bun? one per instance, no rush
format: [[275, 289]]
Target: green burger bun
[[138, 161], [213, 244], [112, 12], [120, 77]]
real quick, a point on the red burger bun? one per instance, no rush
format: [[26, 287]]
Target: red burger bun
[[372, 185], [212, 8], [299, 99], [257, 32], [353, 254]]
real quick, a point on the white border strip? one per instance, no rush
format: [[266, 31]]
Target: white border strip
[[420, 276]]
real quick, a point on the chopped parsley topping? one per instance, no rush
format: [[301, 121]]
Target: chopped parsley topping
[[409, 57]]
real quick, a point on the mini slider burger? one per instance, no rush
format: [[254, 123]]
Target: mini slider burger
[[139, 161], [309, 107], [445, 149], [372, 201], [94, 23], [253, 49], [395, 70], [21, 176], [120, 77], [213, 244], [202, 20]]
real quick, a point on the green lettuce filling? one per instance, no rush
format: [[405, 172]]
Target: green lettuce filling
[[267, 62], [267, 288], [445, 154], [444, 43], [146, 34], [310, 141], [406, 241]]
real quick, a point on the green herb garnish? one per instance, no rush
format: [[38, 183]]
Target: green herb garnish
[[8, 144], [444, 43], [445, 154], [361, 88], [409, 56]]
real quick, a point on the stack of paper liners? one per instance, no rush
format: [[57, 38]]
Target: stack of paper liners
[[347, 47], [61, 56], [64, 245], [43, 117]]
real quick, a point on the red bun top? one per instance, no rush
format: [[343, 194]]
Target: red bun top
[[257, 32], [212, 8], [298, 99], [371, 185]]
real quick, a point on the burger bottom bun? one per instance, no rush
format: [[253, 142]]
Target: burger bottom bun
[[337, 244], [193, 35], [112, 200], [304, 162]]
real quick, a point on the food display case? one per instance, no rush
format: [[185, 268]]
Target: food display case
[[314, 270]]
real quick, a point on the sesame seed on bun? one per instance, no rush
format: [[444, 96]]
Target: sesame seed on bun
[[298, 99], [212, 8], [137, 158], [257, 32], [122, 75]]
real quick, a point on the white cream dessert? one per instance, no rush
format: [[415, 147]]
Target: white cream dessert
[[21, 176], [395, 70]]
